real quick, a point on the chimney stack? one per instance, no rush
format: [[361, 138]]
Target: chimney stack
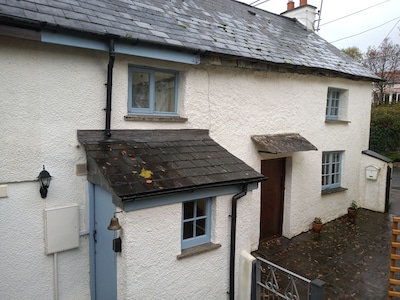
[[304, 13]]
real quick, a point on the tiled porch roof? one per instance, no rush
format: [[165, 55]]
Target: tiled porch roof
[[141, 163], [282, 143]]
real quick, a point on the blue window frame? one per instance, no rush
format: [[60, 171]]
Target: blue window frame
[[331, 169], [332, 104], [196, 222], [152, 91]]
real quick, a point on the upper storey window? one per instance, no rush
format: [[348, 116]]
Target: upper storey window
[[152, 91], [336, 105], [332, 104]]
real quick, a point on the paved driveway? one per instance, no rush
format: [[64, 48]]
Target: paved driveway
[[351, 257]]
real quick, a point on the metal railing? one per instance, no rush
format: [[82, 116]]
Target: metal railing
[[276, 282]]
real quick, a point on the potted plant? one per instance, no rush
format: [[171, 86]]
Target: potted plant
[[317, 225], [352, 209]]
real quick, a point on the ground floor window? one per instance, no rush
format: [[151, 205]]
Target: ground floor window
[[331, 169], [196, 222]]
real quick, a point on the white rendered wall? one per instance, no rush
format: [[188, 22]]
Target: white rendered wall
[[241, 104], [49, 92], [151, 239], [373, 192], [45, 97]]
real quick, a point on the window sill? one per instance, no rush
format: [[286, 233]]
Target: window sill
[[197, 250], [155, 118], [334, 190], [337, 121]]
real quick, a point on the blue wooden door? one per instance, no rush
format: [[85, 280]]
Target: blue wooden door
[[105, 275]]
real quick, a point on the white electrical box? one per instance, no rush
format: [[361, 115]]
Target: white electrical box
[[61, 228], [371, 172]]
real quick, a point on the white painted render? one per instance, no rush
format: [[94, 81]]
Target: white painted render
[[246, 272], [49, 92], [373, 192]]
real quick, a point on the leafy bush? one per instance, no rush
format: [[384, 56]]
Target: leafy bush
[[385, 128], [393, 156]]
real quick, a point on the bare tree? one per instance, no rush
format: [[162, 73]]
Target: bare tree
[[383, 61]]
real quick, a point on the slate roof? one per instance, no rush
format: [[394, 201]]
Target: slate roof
[[377, 156], [139, 163], [282, 143], [223, 27]]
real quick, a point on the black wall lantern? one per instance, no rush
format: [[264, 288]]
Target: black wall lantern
[[44, 180]]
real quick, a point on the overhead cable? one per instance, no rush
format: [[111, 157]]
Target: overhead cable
[[365, 31], [389, 32], [254, 3], [352, 13]]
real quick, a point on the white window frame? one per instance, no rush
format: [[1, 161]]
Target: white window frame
[[151, 110], [331, 175], [201, 239]]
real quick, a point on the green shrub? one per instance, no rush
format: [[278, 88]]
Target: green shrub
[[385, 128]]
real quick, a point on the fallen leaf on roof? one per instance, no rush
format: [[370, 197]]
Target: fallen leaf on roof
[[146, 173]]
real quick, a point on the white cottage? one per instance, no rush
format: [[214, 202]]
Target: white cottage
[[168, 116]]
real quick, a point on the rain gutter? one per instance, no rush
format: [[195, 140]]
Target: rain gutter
[[128, 198]]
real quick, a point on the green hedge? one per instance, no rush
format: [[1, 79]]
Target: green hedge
[[385, 129]]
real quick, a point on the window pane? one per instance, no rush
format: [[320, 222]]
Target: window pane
[[201, 227], [201, 207], [336, 157], [140, 90], [327, 107], [324, 180], [164, 96], [335, 178], [188, 210], [188, 230]]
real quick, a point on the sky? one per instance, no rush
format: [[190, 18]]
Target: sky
[[348, 23]]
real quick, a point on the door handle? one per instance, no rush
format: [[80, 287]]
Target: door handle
[[94, 235]]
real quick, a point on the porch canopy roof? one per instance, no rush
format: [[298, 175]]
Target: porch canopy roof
[[143, 163], [282, 143]]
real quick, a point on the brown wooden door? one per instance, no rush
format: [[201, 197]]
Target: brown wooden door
[[272, 197]]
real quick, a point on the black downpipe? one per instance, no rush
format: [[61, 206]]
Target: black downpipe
[[235, 198], [109, 87]]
